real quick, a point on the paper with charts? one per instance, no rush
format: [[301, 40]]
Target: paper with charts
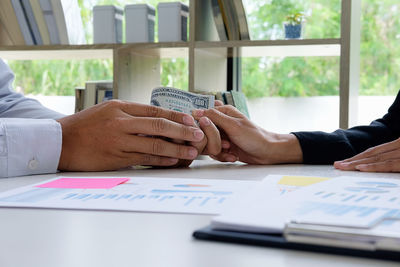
[[199, 196], [344, 201]]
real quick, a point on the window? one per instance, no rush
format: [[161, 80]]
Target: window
[[296, 93]]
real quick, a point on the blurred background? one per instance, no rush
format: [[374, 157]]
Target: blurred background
[[284, 93]]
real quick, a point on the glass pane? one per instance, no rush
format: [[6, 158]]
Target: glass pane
[[175, 73], [266, 18], [380, 58], [53, 82], [380, 105], [293, 93], [289, 114], [57, 77]]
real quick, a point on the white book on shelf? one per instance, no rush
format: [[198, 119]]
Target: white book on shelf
[[172, 22], [30, 17], [139, 21], [69, 21], [48, 14], [107, 24], [23, 22]]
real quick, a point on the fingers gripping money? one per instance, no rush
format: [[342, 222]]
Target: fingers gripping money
[[182, 101]]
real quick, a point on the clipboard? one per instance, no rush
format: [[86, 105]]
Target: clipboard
[[280, 241]]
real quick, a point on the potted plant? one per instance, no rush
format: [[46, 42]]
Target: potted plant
[[293, 25]]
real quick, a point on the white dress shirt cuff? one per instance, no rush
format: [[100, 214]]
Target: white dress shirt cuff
[[29, 146]]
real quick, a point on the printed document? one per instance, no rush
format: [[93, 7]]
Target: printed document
[[344, 202], [198, 196]]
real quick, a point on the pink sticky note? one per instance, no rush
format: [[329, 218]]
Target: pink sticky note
[[84, 183]]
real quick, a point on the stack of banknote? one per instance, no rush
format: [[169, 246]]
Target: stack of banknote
[[179, 100]]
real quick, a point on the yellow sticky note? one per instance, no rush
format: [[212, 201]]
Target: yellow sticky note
[[301, 180]]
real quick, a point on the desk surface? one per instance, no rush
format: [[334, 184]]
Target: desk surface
[[57, 238]]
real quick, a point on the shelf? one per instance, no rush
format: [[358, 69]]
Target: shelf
[[310, 47], [161, 50], [62, 52], [278, 48], [259, 48], [97, 51]]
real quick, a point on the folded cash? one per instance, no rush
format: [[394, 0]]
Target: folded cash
[[178, 100]]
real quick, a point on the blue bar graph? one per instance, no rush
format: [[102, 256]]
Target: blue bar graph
[[34, 195], [328, 195], [339, 210], [361, 198], [160, 191], [348, 198], [70, 196], [82, 196]]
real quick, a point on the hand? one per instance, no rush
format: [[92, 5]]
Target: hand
[[244, 141], [116, 134], [210, 144], [382, 158]]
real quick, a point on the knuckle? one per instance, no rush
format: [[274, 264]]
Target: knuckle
[[153, 111], [377, 158], [229, 109], [211, 112], [185, 132], [118, 123], [369, 151], [218, 149], [113, 103], [160, 125], [147, 159], [215, 150], [157, 147], [173, 116], [236, 124], [392, 164], [180, 151], [109, 123]]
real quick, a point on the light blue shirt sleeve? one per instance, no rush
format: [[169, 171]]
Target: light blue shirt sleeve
[[29, 146], [30, 138]]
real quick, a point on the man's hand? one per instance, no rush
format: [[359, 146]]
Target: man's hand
[[242, 140], [382, 158], [210, 144], [118, 134]]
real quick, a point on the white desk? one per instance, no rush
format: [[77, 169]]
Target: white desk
[[57, 238]]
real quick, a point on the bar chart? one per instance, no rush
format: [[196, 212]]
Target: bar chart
[[200, 196]]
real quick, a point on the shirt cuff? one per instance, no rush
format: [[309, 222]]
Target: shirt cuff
[[29, 146]]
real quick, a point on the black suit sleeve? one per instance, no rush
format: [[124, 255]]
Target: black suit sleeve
[[325, 148]]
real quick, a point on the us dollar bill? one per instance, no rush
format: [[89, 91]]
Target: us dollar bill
[[179, 100]]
